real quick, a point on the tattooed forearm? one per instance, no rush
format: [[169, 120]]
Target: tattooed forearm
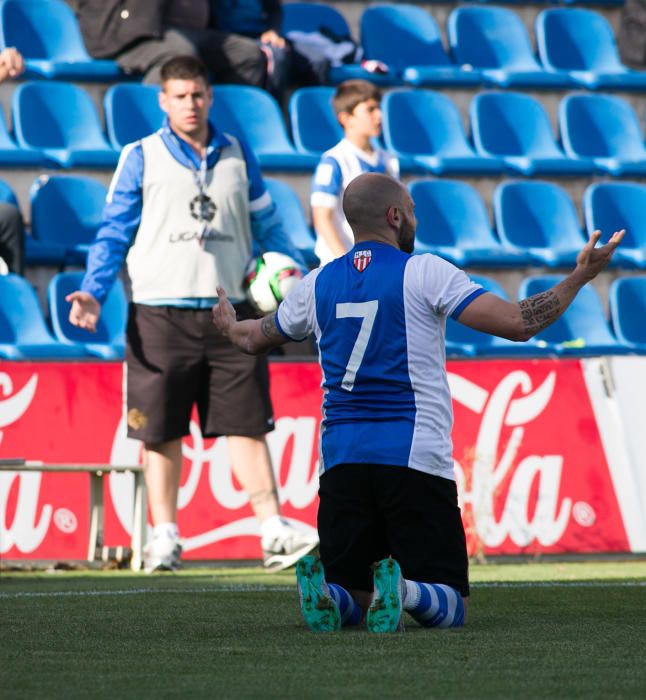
[[539, 311], [269, 329]]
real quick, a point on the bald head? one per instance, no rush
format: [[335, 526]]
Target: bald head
[[378, 207]]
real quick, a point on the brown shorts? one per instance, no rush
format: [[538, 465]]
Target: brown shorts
[[176, 358]]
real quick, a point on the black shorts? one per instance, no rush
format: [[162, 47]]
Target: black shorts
[[371, 511], [176, 358]]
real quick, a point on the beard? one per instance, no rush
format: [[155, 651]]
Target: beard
[[406, 237]]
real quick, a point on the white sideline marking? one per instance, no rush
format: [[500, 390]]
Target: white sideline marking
[[261, 588]]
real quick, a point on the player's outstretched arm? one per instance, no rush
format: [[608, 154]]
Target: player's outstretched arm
[[252, 336], [522, 321]]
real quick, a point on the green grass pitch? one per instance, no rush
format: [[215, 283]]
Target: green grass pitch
[[557, 630]]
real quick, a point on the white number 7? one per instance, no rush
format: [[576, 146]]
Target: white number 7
[[366, 310]]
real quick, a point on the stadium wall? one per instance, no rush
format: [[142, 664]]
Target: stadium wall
[[548, 457]]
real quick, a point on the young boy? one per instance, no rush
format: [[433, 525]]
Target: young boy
[[356, 103]]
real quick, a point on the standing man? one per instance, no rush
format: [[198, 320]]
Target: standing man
[[387, 485], [187, 205]]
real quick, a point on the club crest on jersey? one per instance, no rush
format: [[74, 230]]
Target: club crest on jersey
[[362, 259]]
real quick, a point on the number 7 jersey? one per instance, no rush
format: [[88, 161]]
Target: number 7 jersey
[[378, 315]]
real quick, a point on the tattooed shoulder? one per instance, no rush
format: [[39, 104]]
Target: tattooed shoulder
[[269, 328]]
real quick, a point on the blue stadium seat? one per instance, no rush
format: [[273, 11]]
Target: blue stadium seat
[[494, 41], [611, 206], [424, 129], [407, 39], [580, 43], [603, 129], [11, 154], [108, 342], [464, 341], [540, 219], [312, 16], [318, 17], [7, 195], [65, 216], [132, 111], [452, 222], [582, 329], [627, 298], [47, 35], [253, 114], [293, 218], [60, 121], [515, 127], [315, 127], [23, 331]]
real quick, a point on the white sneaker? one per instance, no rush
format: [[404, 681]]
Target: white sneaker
[[284, 549], [162, 553]]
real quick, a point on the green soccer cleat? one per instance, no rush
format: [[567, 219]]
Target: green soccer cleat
[[320, 612], [385, 612]]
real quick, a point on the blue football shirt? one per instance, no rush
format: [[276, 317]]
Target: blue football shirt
[[378, 315]]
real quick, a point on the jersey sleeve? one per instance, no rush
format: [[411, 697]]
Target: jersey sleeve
[[447, 289], [327, 183], [296, 315]]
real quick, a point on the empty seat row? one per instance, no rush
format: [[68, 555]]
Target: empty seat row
[[487, 45], [510, 132], [490, 46], [582, 330], [25, 334], [535, 222], [57, 124]]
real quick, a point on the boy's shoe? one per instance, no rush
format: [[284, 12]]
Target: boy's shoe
[[320, 612], [162, 553], [385, 611], [286, 548]]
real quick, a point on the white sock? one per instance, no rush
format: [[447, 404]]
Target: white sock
[[168, 530], [272, 526]]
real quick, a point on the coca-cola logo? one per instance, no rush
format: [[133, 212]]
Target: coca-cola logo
[[491, 464], [28, 527]]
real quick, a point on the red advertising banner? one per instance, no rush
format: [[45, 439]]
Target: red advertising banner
[[530, 465]]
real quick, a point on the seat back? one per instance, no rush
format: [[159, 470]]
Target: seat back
[[112, 321], [627, 298], [611, 206], [42, 30], [315, 126], [490, 37], [583, 319], [312, 17], [7, 194], [56, 115], [402, 35], [21, 320], [576, 39], [132, 112], [292, 215], [600, 126], [252, 114], [420, 122], [536, 214], [450, 213], [66, 209], [511, 124]]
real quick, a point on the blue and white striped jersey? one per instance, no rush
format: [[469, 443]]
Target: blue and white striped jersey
[[379, 315]]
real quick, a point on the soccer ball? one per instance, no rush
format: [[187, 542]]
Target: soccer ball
[[268, 279]]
